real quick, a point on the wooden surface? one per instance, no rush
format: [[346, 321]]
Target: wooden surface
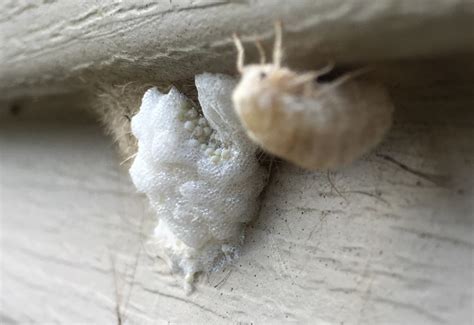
[[386, 240], [62, 46]]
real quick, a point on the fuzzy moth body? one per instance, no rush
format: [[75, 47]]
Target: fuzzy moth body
[[314, 125]]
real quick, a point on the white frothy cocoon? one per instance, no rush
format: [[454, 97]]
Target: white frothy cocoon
[[200, 173]]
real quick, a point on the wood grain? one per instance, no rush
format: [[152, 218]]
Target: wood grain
[[386, 240], [61, 46]]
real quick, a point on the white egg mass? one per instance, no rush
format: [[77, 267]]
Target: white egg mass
[[200, 173]]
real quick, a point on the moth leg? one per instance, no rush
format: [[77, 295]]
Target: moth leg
[[309, 77], [240, 52], [312, 76], [304, 78], [341, 80], [305, 82], [326, 69]]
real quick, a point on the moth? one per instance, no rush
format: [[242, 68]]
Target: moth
[[314, 125]]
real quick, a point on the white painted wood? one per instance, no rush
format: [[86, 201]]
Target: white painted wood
[[52, 46], [382, 244]]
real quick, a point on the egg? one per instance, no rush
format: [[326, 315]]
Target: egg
[[203, 186]]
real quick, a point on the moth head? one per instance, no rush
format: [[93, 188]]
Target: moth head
[[257, 73], [265, 67], [263, 74], [257, 78]]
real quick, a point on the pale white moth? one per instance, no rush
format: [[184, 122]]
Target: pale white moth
[[200, 173], [314, 125]]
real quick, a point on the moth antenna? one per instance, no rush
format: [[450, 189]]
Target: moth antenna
[[261, 51], [326, 69], [312, 75], [304, 78], [240, 52], [277, 47]]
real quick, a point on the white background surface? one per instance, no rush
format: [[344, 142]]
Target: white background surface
[[387, 246], [380, 245]]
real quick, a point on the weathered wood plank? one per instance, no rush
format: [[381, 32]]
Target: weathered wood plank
[[52, 46], [386, 242]]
